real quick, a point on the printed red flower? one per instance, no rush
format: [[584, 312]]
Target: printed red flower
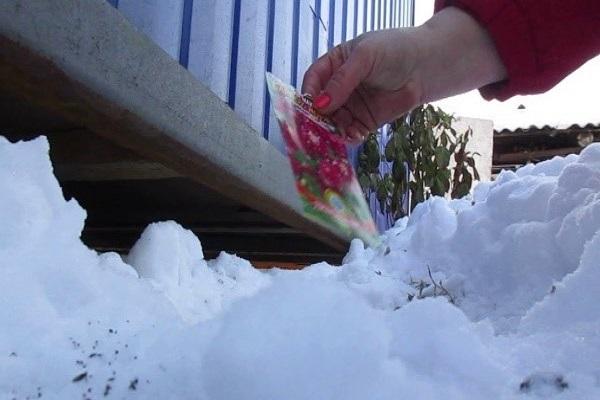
[[285, 108], [317, 140], [337, 145], [288, 137], [300, 167], [313, 137], [334, 174]]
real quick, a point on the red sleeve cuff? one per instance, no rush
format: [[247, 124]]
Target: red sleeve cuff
[[510, 32]]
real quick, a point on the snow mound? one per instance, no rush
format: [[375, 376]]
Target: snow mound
[[171, 258], [489, 298], [519, 236]]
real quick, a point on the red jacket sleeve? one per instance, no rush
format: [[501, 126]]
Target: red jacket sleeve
[[539, 41]]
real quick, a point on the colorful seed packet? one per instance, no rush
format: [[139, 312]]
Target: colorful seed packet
[[326, 183]]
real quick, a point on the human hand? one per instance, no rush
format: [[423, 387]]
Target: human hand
[[366, 82], [380, 76]]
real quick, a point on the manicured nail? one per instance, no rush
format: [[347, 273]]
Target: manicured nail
[[322, 100]]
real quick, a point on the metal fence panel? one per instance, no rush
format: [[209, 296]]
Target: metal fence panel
[[251, 63], [228, 44], [322, 21], [161, 20], [210, 44]]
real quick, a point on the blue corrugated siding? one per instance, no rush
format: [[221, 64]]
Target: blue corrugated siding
[[331, 26], [269, 66], [213, 38], [355, 20], [235, 40], [331, 21], [295, 41], [317, 21], [186, 29]]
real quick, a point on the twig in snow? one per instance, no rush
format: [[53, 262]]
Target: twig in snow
[[443, 290], [80, 377]]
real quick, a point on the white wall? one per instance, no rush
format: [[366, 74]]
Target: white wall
[[210, 44], [481, 142], [159, 19], [250, 83]]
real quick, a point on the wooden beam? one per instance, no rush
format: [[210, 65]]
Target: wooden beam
[[123, 170], [223, 230], [522, 157], [81, 155], [260, 244]]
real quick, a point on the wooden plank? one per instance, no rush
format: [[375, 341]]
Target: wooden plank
[[254, 246], [522, 157], [20, 120], [281, 265], [144, 201], [124, 170], [223, 230], [80, 155], [80, 146]]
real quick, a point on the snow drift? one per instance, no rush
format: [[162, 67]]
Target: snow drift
[[490, 298]]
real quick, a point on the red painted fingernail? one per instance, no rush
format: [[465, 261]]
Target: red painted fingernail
[[322, 100]]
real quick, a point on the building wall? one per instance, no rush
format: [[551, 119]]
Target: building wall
[[481, 142], [229, 44]]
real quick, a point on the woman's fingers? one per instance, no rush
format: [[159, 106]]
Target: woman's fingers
[[343, 119], [350, 126], [344, 80], [342, 86], [319, 73], [388, 106], [365, 111], [355, 135], [334, 77]]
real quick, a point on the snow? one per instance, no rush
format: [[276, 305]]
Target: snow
[[170, 258], [512, 314]]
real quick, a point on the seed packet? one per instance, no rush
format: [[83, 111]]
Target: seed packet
[[326, 183]]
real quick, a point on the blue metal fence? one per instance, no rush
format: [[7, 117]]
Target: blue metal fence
[[228, 44], [186, 30]]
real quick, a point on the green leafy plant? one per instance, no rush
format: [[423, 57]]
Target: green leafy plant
[[419, 148]]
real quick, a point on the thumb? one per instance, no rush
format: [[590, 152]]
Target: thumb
[[343, 82]]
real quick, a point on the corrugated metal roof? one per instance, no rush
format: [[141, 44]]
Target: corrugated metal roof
[[548, 129]]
